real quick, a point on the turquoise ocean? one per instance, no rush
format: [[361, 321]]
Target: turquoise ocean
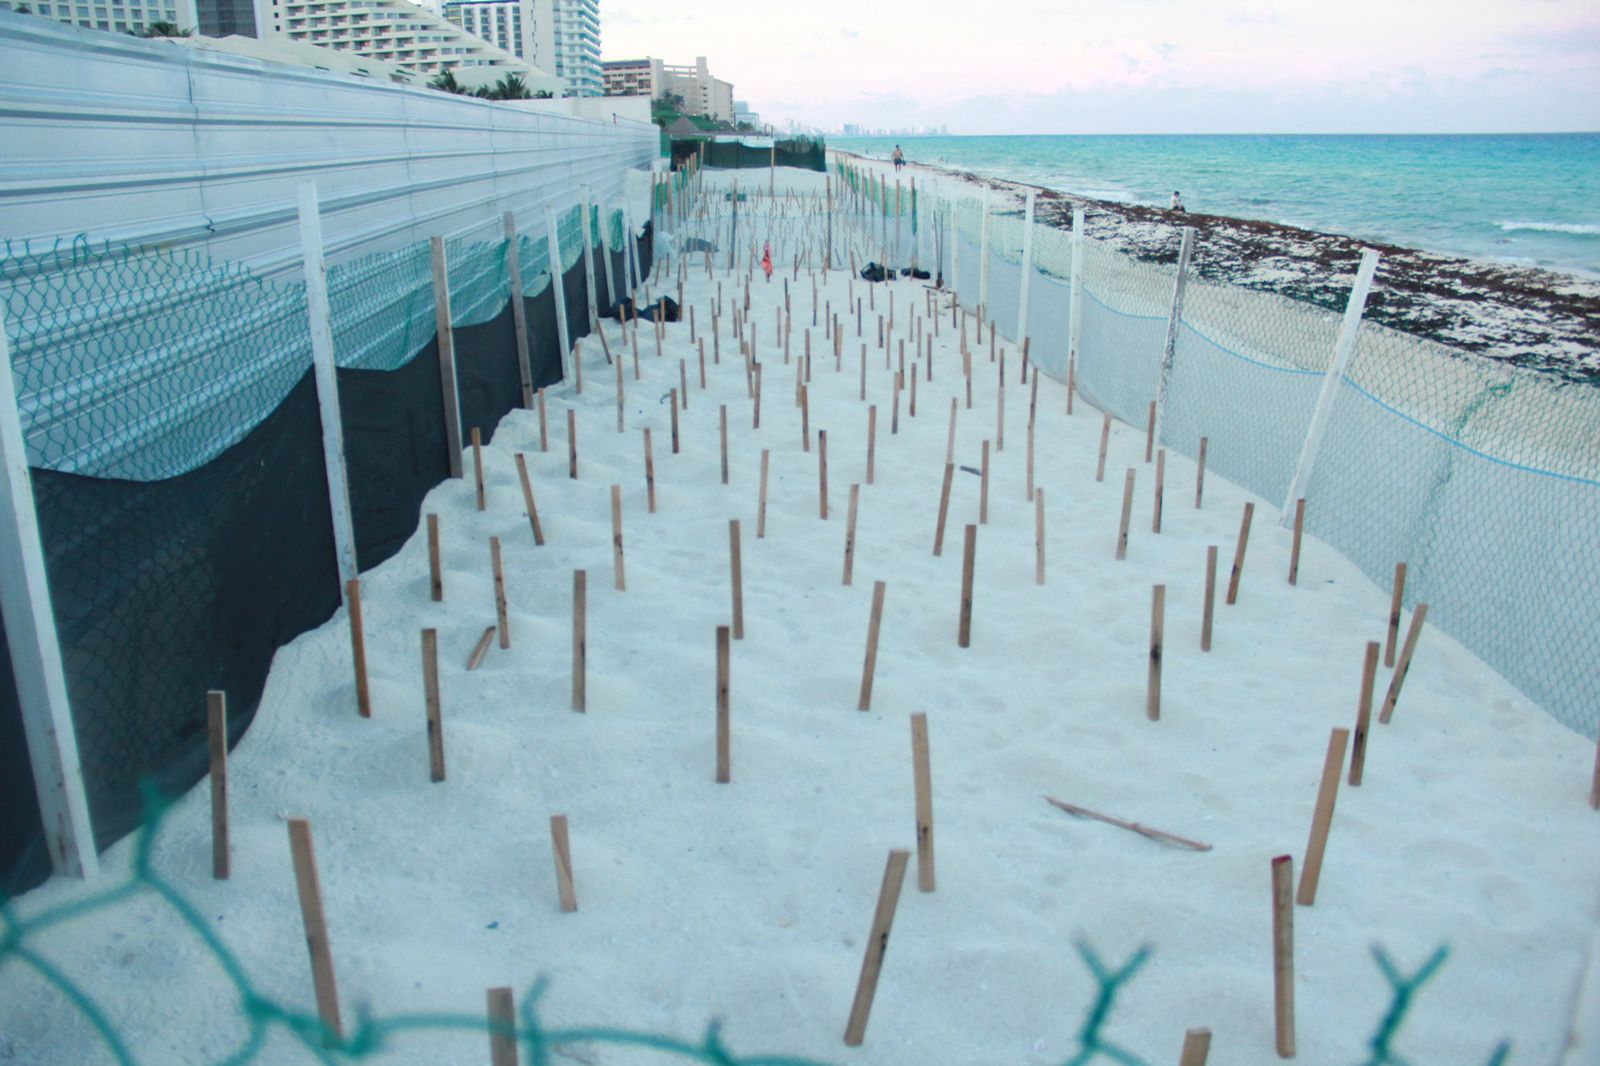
[[1524, 199]]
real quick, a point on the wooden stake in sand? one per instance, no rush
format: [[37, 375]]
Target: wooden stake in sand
[[1127, 514], [922, 778], [761, 507], [872, 440], [950, 440], [217, 748], [563, 856], [1105, 439], [1418, 616], [736, 570], [1396, 599], [968, 556], [1030, 454], [1161, 477], [1142, 830], [983, 488], [1358, 749], [649, 474], [1038, 531], [944, 508], [616, 537], [674, 408], [435, 571], [1211, 597], [358, 644], [1299, 531], [481, 649], [1150, 433], [315, 921], [850, 533], [527, 499], [620, 398], [502, 1028], [1322, 818], [544, 426], [724, 774], [1200, 475], [502, 617], [477, 466], [822, 470], [572, 444], [430, 689], [1283, 955], [1238, 553], [894, 875], [723, 419], [1152, 697], [805, 419], [1196, 1047], [874, 623], [580, 640]]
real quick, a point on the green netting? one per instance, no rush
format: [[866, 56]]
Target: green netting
[[142, 363], [259, 1019], [569, 237], [382, 307], [480, 281]]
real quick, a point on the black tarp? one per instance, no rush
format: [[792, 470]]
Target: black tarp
[[800, 152]]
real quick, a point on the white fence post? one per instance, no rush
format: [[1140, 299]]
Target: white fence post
[[559, 286], [451, 395], [1185, 251], [605, 255], [519, 310], [1027, 270], [321, 320], [588, 258], [1343, 351], [1075, 322], [630, 245], [983, 260], [36, 651]]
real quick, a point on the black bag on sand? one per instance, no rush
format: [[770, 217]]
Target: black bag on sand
[[624, 310], [920, 275], [874, 272]]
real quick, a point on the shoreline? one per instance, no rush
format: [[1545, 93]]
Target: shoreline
[[1530, 317]]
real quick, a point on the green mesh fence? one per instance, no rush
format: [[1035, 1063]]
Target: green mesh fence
[[25, 941]]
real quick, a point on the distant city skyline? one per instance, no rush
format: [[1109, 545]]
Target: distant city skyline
[[1143, 66]]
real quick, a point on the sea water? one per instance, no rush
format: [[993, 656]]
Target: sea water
[[1527, 199]]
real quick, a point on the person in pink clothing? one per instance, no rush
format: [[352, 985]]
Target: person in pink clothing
[[766, 258]]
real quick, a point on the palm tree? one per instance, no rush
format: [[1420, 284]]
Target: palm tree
[[162, 29], [510, 87], [445, 81]]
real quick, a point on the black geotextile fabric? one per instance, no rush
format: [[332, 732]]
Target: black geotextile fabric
[[163, 590], [731, 155]]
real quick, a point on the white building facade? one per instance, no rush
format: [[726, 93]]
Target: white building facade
[[577, 47], [524, 28], [702, 94], [116, 16]]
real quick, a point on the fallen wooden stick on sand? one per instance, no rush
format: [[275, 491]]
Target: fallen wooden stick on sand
[[1143, 830]]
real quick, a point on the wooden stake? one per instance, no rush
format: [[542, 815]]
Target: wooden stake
[[1396, 598], [873, 625], [983, 488], [435, 570], [1238, 553], [950, 440], [1030, 453], [761, 508], [315, 922], [620, 394], [1127, 515], [756, 415], [969, 552], [477, 466], [502, 1028], [1283, 955], [1105, 439], [563, 855], [1196, 1042], [1358, 749], [217, 748], [736, 569], [1418, 616], [527, 499], [616, 537], [723, 419], [872, 440], [649, 474], [944, 508], [724, 774], [1200, 475], [922, 777], [580, 640], [850, 533], [430, 689], [1322, 818], [572, 444], [1299, 531], [877, 943], [702, 368], [1000, 409], [501, 614], [1161, 477], [1152, 696], [805, 418], [481, 649], [1143, 830], [544, 426], [674, 409], [1150, 433], [358, 642], [1038, 531], [822, 470], [1211, 597]]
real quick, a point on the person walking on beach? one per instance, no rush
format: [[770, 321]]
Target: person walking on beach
[[1177, 203], [899, 158]]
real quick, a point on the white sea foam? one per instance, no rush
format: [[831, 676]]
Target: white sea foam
[[1580, 229]]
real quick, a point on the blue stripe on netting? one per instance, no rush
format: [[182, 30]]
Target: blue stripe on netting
[[1253, 362], [1469, 448], [1124, 314]]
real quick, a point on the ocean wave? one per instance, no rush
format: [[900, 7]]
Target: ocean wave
[[1579, 229]]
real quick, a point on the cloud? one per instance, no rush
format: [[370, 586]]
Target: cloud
[[1260, 17]]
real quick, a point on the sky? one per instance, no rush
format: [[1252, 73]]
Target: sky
[[1139, 66]]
